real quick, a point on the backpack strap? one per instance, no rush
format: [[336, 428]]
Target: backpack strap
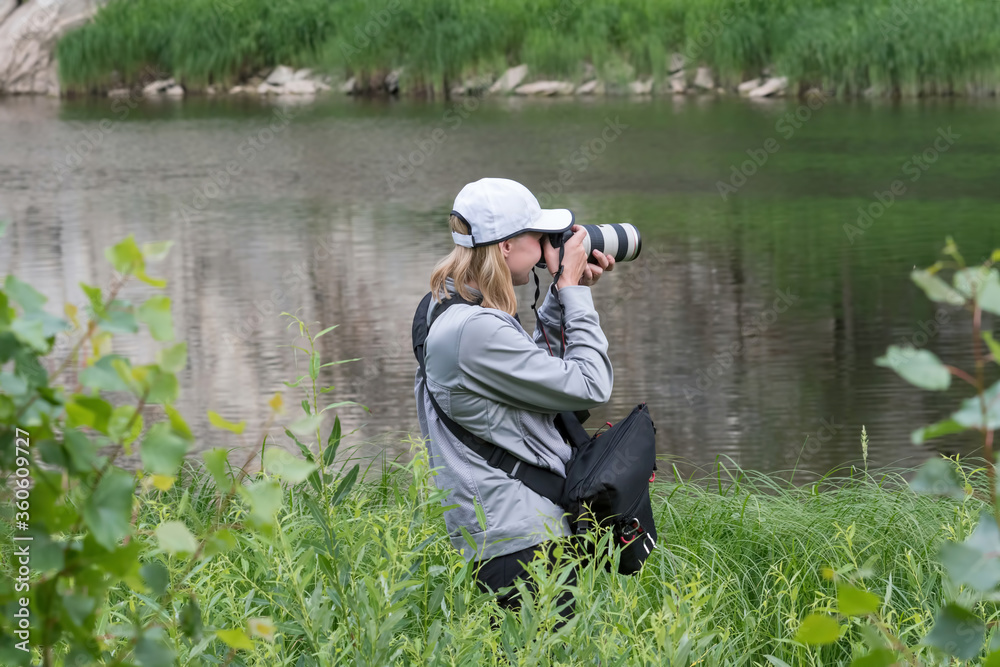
[[543, 482]]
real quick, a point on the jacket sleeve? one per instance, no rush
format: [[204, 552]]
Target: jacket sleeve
[[499, 362]]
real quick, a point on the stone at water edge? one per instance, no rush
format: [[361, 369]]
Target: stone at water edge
[[745, 87], [350, 86], [703, 78], [546, 88], [510, 79], [773, 86], [594, 87], [676, 64], [174, 91], [302, 74], [641, 87], [280, 76], [678, 82], [157, 87], [299, 88]]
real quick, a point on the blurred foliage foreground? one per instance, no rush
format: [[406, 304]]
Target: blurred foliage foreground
[[299, 563]]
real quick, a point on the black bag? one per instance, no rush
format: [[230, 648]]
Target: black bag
[[608, 479], [608, 476]]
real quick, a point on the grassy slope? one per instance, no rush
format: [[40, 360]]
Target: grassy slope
[[849, 45], [739, 566]]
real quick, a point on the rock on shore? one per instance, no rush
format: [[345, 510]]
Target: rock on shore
[[28, 36]]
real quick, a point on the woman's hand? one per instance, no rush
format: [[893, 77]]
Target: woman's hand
[[592, 272], [574, 258]]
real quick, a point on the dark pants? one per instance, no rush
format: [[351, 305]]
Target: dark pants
[[501, 571]]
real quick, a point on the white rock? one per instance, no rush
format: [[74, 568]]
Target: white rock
[[280, 76], [320, 85], [641, 87], [119, 92], [6, 7], [392, 81], [546, 88], [267, 89], [299, 88], [594, 87], [350, 86], [678, 82], [745, 87], [773, 86], [237, 89], [157, 87], [302, 74], [210, 90], [510, 79], [703, 78], [458, 91], [676, 64]]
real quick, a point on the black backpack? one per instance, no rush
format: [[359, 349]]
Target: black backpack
[[607, 480]]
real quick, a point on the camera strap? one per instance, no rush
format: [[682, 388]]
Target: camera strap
[[543, 482]]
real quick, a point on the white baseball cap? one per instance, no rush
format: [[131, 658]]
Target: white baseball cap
[[498, 208]]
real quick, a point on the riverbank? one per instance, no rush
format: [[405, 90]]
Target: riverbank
[[740, 563], [429, 48]]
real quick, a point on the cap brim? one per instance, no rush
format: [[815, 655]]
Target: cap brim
[[552, 220]]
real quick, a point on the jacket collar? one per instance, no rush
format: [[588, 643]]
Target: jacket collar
[[450, 286]]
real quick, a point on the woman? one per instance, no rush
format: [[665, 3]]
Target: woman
[[488, 375]]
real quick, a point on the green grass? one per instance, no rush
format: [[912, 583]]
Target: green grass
[[739, 564], [900, 46]]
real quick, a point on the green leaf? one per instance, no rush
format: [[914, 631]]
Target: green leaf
[[265, 498], [986, 284], [95, 298], [975, 562], [103, 376], [958, 632], [918, 367], [314, 365], [818, 629], [216, 461], [306, 425], [236, 639], [174, 537], [120, 419], [777, 662], [118, 318], [324, 331], [190, 619], [279, 462], [302, 448], [153, 650], [935, 288], [24, 294], [945, 427], [108, 511], [852, 601], [937, 477], [468, 538], [970, 414], [89, 411], [31, 333], [156, 314], [480, 514], [156, 251], [172, 359], [994, 346], [880, 657], [163, 450], [219, 542], [156, 577], [332, 444], [177, 423], [992, 660], [125, 256], [218, 422], [81, 452], [345, 485]]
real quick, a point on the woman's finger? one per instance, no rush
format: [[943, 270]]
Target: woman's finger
[[602, 259], [611, 263]]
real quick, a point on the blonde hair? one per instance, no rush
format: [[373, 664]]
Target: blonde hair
[[484, 265]]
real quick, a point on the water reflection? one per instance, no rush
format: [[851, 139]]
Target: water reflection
[[749, 325]]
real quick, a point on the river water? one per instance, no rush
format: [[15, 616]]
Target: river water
[[750, 323]]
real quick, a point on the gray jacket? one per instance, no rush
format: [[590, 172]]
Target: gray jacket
[[490, 376]]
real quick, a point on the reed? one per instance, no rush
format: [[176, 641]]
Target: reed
[[740, 563], [905, 47]]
